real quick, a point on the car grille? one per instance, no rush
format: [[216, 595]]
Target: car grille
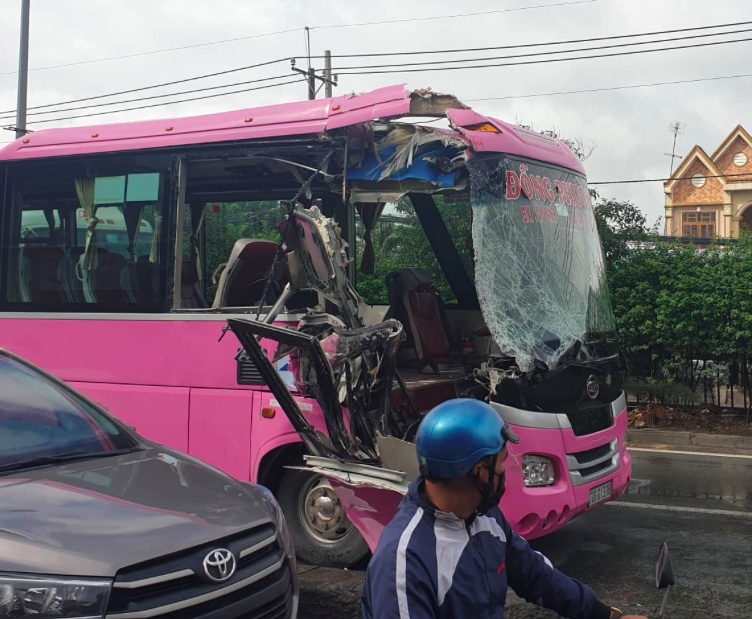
[[590, 421], [587, 466], [174, 586]]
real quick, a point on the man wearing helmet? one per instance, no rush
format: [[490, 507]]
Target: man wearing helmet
[[449, 552]]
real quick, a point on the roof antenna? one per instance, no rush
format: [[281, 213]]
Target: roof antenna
[[677, 128]]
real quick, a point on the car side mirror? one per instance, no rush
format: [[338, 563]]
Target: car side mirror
[[664, 574]]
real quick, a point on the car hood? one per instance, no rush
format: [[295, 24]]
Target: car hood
[[94, 517]]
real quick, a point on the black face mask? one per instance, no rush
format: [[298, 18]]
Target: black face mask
[[490, 496]]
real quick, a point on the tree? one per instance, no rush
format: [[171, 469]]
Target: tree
[[400, 242], [225, 223], [620, 225]]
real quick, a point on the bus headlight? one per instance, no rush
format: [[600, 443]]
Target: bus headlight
[[537, 471], [47, 598]]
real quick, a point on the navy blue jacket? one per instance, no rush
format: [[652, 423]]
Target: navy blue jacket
[[430, 564]]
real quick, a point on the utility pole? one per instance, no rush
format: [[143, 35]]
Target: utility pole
[[311, 83], [311, 78], [310, 74], [328, 73], [23, 71]]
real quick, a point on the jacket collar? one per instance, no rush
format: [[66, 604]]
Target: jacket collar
[[416, 495]]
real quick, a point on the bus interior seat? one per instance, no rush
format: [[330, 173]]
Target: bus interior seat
[[24, 277], [74, 289], [129, 281], [243, 279], [416, 303], [148, 277], [140, 281], [190, 294], [39, 269], [104, 284]]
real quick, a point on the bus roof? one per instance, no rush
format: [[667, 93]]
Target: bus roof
[[290, 119]]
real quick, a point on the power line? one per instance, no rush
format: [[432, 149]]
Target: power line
[[152, 87], [143, 107], [625, 87], [289, 30], [543, 44], [663, 180], [551, 52], [529, 62], [155, 51], [435, 17], [152, 97], [473, 100], [248, 67]]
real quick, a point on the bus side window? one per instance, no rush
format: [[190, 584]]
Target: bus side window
[[40, 269], [82, 242], [223, 224]]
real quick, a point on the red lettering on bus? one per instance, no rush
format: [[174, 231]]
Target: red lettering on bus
[[513, 185], [527, 184], [550, 195], [540, 192]]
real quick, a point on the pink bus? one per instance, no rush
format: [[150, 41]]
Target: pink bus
[[284, 291]]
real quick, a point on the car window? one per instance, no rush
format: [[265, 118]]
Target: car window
[[38, 418]]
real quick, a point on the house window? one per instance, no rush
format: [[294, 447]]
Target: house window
[[700, 225], [698, 180], [740, 159]]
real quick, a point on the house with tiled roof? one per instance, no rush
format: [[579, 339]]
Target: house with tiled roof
[[710, 196]]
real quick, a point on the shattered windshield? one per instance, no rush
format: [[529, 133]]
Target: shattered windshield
[[539, 265]]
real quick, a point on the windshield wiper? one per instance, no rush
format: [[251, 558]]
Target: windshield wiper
[[73, 456]]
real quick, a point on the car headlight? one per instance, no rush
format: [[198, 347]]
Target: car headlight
[[280, 523], [537, 471], [47, 598]]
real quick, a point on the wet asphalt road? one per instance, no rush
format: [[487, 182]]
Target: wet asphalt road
[[700, 505]]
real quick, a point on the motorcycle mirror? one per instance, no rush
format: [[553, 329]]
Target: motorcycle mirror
[[664, 572]]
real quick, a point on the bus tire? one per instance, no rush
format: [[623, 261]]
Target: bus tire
[[321, 531]]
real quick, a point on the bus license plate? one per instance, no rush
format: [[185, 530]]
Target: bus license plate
[[601, 493]]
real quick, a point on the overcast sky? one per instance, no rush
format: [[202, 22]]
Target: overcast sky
[[629, 126]]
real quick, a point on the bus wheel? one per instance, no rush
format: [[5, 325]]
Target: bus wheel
[[321, 531]]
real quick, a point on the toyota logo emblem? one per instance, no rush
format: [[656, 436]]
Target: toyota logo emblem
[[219, 565], [592, 386]]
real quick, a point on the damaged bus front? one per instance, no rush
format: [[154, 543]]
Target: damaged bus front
[[530, 327]]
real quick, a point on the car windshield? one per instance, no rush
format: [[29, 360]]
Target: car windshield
[[539, 265], [40, 419]]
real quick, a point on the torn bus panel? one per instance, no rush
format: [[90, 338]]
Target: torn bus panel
[[415, 152], [319, 260], [425, 102], [363, 358], [410, 158]]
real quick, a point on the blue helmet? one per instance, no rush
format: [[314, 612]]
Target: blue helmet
[[455, 435]]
